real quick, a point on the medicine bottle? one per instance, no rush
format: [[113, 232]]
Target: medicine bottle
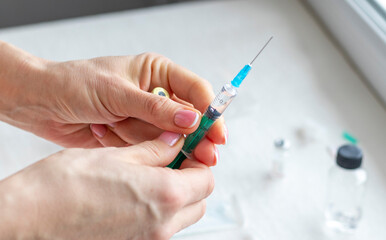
[[279, 158], [345, 190]]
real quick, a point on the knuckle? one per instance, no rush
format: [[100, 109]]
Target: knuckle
[[202, 208], [71, 152], [154, 57], [161, 233], [104, 78], [162, 61], [150, 58], [153, 150], [158, 63], [156, 106], [205, 83], [211, 182], [150, 55], [171, 198]]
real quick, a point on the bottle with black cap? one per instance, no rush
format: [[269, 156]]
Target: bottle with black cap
[[345, 190]]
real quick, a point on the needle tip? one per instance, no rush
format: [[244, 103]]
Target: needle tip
[[260, 50]]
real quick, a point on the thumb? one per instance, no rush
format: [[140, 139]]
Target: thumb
[[158, 152], [165, 113]]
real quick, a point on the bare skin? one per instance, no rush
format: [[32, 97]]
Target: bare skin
[[105, 193], [110, 193]]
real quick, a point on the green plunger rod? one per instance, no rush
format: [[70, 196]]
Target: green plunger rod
[[192, 140]]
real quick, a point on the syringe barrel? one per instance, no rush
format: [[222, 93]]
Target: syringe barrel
[[222, 100], [192, 141], [214, 111]]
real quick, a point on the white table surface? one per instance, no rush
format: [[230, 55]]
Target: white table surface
[[301, 81]]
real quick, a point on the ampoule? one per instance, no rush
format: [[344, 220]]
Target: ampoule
[[280, 154], [345, 190]]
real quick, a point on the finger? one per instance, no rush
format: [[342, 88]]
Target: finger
[[192, 163], [187, 216], [77, 135], [218, 133], [158, 152], [193, 89], [159, 71], [179, 81], [176, 99], [206, 152], [162, 112], [106, 137], [134, 131], [194, 182]]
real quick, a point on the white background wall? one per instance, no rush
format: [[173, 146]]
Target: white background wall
[[20, 12], [363, 41]]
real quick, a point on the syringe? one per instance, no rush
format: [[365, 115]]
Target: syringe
[[213, 112]]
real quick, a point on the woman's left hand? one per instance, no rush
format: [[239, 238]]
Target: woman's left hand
[[59, 101]]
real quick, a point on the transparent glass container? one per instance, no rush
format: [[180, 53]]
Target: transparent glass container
[[279, 157], [345, 192]]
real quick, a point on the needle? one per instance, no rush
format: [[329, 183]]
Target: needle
[[213, 112], [261, 50]]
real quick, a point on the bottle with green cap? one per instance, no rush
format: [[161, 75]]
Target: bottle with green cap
[[345, 190]]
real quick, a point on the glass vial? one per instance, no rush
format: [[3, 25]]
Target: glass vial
[[280, 153], [345, 190]]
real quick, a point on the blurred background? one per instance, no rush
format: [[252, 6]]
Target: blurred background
[[20, 12], [323, 76], [351, 24]]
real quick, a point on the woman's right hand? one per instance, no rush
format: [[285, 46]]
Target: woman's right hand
[[106, 193]]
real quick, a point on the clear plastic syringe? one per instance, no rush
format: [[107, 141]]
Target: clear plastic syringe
[[213, 112]]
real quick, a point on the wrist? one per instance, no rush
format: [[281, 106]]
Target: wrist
[[21, 87]]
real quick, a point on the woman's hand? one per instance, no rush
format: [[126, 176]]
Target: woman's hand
[[59, 100], [106, 193]]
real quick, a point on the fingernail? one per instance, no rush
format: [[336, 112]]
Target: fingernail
[[98, 129], [186, 118], [170, 138], [215, 155], [225, 133], [112, 125]]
